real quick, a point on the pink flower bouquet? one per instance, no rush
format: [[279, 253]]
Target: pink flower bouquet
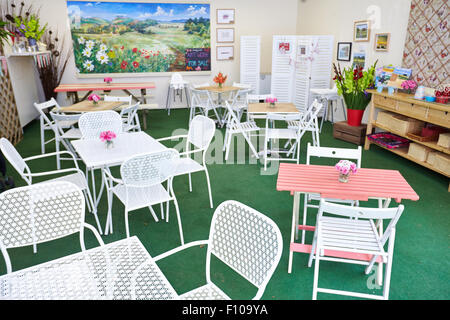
[[107, 80], [94, 98], [345, 167], [271, 100], [409, 85], [107, 137]]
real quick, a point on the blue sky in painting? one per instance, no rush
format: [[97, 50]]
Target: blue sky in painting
[[138, 10]]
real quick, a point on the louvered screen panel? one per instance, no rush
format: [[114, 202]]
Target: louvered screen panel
[[250, 61], [282, 81], [302, 73]]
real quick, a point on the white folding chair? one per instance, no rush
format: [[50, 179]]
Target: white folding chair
[[130, 118], [245, 240], [332, 153], [141, 186], [91, 124], [39, 213], [293, 135], [176, 87], [235, 126], [341, 239], [312, 126], [202, 100], [73, 175], [238, 104], [64, 136], [46, 124], [200, 134]]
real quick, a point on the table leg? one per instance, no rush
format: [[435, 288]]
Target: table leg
[[294, 226], [381, 204], [144, 101]]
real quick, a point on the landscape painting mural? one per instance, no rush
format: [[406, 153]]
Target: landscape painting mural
[[117, 37]]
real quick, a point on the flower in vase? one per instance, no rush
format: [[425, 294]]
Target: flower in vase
[[271, 100], [345, 167], [107, 80], [94, 98], [107, 136]]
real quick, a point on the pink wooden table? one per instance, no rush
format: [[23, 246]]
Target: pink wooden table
[[365, 184]]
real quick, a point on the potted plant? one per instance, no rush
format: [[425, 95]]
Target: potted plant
[[31, 28], [352, 85]]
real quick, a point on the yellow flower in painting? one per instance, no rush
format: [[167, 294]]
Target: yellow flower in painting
[[111, 54]]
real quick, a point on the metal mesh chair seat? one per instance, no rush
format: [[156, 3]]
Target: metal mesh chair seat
[[141, 197], [206, 292], [73, 133], [77, 179], [186, 165]]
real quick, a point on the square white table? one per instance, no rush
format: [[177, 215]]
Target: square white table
[[95, 155], [120, 270]]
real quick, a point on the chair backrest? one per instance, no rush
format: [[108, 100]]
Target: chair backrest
[[335, 153], [130, 111], [247, 241], [148, 169], [234, 119], [40, 107], [39, 213], [91, 124], [58, 118], [201, 131], [15, 159], [119, 98], [363, 213]]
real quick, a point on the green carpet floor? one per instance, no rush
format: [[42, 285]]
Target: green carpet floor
[[421, 257]]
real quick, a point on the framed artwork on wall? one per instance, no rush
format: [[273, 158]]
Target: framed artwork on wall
[[225, 35], [361, 31], [344, 51], [139, 37], [225, 52], [382, 41], [225, 16]]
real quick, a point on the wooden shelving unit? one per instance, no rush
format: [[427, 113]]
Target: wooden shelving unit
[[406, 105]]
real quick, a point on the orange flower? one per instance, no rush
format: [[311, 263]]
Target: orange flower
[[220, 78]]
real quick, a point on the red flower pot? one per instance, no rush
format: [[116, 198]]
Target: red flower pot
[[354, 117]]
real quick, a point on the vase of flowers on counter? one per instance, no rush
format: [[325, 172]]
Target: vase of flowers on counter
[[345, 167], [220, 79]]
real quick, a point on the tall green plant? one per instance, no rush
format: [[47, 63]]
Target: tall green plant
[[30, 26], [352, 85], [4, 34]]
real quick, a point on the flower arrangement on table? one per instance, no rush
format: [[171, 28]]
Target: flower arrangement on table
[[345, 167], [108, 80], [108, 137], [220, 79], [409, 85], [271, 101], [352, 85], [94, 98], [443, 94]]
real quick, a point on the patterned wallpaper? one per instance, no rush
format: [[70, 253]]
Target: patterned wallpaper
[[428, 42]]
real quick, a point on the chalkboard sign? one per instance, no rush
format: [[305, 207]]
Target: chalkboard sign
[[198, 59]]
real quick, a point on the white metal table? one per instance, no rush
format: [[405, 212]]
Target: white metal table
[[95, 155], [102, 273]]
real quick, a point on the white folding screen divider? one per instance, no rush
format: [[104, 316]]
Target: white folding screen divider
[[283, 55], [250, 61], [300, 63]]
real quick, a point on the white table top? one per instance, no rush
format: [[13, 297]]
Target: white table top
[[325, 93], [95, 155], [119, 270]]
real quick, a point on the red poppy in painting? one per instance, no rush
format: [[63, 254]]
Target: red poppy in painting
[[124, 65], [135, 50], [122, 47], [135, 64], [147, 57]]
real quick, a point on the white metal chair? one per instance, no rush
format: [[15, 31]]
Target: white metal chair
[[291, 134], [141, 186], [130, 118], [200, 134], [340, 239], [235, 126], [239, 104], [202, 100], [176, 87], [312, 126], [64, 136], [244, 239], [73, 175], [91, 124], [333, 153], [39, 213], [46, 123]]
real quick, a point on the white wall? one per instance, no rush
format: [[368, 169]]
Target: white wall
[[317, 17], [253, 17]]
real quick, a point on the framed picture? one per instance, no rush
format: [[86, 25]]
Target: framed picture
[[225, 35], [344, 51], [225, 16], [361, 31], [382, 41], [225, 52]]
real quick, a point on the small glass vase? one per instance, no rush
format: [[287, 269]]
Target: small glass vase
[[272, 104], [109, 144], [343, 177], [220, 85]]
